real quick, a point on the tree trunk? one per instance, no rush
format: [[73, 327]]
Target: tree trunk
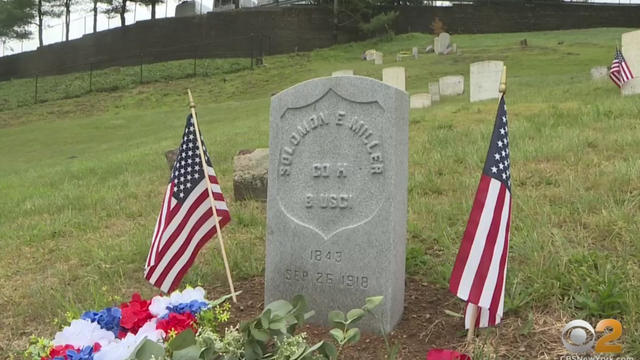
[[123, 11], [40, 18], [153, 10], [95, 16], [67, 17]]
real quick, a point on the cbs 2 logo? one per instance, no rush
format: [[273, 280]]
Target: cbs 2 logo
[[578, 336]]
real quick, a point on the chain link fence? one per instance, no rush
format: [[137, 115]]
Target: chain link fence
[[97, 76]]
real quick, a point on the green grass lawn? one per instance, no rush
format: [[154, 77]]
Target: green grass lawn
[[82, 178]]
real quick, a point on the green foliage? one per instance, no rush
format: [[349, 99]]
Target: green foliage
[[437, 26], [15, 18], [380, 24], [343, 332], [214, 316], [280, 319], [601, 287], [148, 350], [38, 348]]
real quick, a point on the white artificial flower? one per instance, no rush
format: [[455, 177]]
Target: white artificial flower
[[81, 333], [123, 349], [159, 304], [188, 295]]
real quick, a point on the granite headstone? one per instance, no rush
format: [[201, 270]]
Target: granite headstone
[[337, 198]]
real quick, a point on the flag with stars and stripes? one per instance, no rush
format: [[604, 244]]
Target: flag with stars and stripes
[[619, 71], [479, 272], [186, 219]]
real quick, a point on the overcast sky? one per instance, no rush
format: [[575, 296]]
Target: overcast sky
[[82, 22], [82, 16]]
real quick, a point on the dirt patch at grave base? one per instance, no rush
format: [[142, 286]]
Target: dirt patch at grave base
[[425, 325]]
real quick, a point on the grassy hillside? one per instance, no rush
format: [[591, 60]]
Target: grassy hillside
[[82, 179]]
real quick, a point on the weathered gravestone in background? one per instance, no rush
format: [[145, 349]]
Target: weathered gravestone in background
[[484, 80], [250, 174], [451, 85], [342, 73], [599, 73], [442, 43], [434, 91], [370, 54], [394, 76], [337, 199], [171, 156], [378, 58], [631, 52], [420, 101]]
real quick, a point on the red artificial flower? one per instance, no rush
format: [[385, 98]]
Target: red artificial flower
[[135, 313], [177, 323], [442, 354], [59, 350]]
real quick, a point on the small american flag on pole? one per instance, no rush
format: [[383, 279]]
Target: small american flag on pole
[[479, 272], [620, 72], [186, 219]]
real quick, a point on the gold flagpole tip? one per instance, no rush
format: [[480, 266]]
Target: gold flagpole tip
[[503, 80], [191, 103]]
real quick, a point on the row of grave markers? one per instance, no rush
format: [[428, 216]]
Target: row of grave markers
[[484, 83], [631, 51]]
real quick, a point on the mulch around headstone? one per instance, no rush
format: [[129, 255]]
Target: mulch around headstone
[[425, 325]]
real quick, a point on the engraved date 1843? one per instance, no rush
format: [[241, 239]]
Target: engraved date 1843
[[326, 256]]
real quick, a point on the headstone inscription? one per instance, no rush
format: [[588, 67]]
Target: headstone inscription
[[394, 76], [484, 80], [337, 197], [631, 52]]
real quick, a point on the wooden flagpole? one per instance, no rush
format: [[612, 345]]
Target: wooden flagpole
[[473, 308], [192, 106]]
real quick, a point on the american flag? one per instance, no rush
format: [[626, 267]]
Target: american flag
[[479, 272], [620, 72], [186, 219]]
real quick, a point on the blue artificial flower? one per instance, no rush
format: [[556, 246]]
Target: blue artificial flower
[[108, 319], [85, 354], [194, 307]]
